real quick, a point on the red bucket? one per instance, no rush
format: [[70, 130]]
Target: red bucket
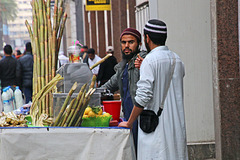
[[113, 108]]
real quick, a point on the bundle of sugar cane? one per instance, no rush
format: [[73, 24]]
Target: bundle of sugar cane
[[44, 120], [10, 119], [72, 115], [46, 39], [36, 109]]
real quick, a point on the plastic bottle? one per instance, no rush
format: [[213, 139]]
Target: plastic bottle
[[18, 97], [9, 96], [7, 107], [12, 97], [1, 105]]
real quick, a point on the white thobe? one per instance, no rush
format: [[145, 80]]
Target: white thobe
[[92, 62], [168, 141]]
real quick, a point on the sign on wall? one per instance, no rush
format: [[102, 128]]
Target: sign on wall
[[98, 5]]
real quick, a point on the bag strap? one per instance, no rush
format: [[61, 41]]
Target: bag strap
[[166, 90]]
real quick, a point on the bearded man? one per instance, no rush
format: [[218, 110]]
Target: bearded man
[[127, 75]]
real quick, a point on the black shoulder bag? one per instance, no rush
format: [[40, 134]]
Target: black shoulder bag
[[148, 118]]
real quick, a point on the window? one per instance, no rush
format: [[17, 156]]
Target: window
[[142, 16]]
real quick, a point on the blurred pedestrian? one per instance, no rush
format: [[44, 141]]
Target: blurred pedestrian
[[18, 54], [25, 72], [62, 58], [92, 59], [1, 55], [106, 69], [83, 54], [8, 68]]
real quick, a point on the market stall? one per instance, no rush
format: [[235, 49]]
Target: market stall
[[110, 143], [64, 101]]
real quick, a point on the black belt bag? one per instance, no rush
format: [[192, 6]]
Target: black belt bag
[[148, 121], [148, 118]]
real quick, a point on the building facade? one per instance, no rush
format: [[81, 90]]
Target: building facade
[[18, 32]]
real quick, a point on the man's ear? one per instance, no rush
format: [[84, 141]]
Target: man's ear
[[148, 39], [139, 46]]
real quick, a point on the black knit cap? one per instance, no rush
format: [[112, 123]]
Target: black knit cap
[[85, 47], [91, 51], [155, 27]]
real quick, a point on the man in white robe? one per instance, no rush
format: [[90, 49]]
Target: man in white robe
[[92, 59], [168, 141]]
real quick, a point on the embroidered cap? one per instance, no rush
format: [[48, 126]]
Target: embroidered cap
[[155, 27]]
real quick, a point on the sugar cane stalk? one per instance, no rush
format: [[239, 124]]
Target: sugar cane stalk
[[61, 30], [29, 30], [45, 110], [34, 57], [87, 95], [84, 106], [44, 89], [49, 53], [53, 62], [34, 51], [68, 110], [79, 114], [48, 90], [54, 38], [58, 40], [60, 13], [77, 109], [101, 61], [93, 81], [37, 52], [75, 104], [65, 103]]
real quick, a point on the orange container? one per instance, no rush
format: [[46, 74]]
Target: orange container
[[113, 108]]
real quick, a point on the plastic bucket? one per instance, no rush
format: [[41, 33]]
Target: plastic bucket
[[113, 108]]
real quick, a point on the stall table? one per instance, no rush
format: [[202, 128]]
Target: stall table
[[56, 143]]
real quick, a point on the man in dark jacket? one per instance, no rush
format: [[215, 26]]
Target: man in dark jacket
[[8, 68], [106, 69], [25, 72], [126, 77]]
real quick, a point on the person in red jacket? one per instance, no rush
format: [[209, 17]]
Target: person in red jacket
[[18, 54]]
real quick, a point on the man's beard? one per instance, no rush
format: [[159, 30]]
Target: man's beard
[[147, 46], [129, 56]]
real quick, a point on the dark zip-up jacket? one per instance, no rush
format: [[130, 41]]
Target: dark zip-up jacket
[[115, 83], [8, 71], [106, 70], [25, 70]]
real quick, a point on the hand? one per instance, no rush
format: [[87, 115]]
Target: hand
[[138, 61], [124, 124]]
